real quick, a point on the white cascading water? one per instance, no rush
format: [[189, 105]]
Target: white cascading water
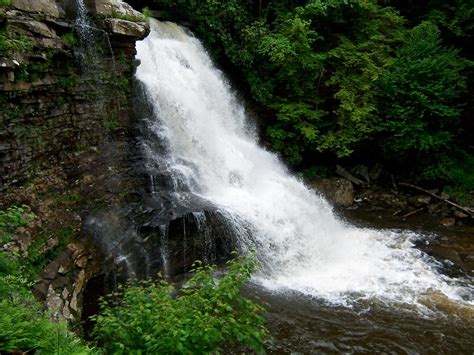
[[81, 19], [304, 247]]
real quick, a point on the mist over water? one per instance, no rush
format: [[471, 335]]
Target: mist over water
[[302, 244]]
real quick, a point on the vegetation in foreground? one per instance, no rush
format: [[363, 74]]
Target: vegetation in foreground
[[24, 325], [205, 315], [208, 314]]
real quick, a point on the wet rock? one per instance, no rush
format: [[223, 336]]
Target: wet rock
[[459, 214], [376, 171], [338, 191], [420, 200], [64, 269], [54, 302], [81, 261], [448, 222], [50, 271], [60, 282], [361, 171], [78, 289], [434, 208], [66, 313]]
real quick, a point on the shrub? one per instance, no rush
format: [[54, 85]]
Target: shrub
[[207, 314]]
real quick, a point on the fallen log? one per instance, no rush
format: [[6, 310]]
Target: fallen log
[[467, 210], [347, 175]]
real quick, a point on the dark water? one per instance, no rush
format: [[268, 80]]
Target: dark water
[[299, 324]]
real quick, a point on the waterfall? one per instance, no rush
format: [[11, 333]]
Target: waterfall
[[83, 24], [212, 149], [89, 39]]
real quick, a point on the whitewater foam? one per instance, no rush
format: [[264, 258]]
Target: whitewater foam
[[302, 245]]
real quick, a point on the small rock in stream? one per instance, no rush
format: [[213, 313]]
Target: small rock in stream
[[448, 222]]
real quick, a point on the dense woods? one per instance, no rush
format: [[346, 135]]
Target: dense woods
[[357, 80]]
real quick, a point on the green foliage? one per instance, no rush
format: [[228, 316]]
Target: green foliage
[[358, 64], [315, 171], [453, 168], [456, 16], [24, 327], [125, 17], [12, 218], [146, 12], [8, 265], [9, 45], [421, 95], [39, 255], [5, 2], [70, 39], [33, 72], [68, 82], [206, 315]]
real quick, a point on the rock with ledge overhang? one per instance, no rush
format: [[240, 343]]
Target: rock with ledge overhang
[[126, 28], [115, 8]]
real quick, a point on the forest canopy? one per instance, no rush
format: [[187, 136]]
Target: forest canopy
[[358, 80]]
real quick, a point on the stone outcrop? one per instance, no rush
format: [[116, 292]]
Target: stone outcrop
[[65, 104], [338, 191], [63, 281], [55, 100]]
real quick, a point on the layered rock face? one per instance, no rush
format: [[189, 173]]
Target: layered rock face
[[65, 121], [60, 95]]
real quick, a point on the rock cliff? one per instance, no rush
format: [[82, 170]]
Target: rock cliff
[[58, 96], [65, 122]]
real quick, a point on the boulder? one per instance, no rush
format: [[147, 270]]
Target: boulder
[[114, 8], [45, 7], [36, 28], [127, 28], [420, 200], [448, 222], [459, 214], [338, 191]]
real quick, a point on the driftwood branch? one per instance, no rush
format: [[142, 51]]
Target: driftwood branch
[[413, 212], [347, 175], [467, 210]]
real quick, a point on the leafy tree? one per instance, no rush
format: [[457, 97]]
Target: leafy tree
[[205, 315], [332, 77], [421, 95], [358, 63]]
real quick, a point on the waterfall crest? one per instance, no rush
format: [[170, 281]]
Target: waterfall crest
[[212, 150]]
